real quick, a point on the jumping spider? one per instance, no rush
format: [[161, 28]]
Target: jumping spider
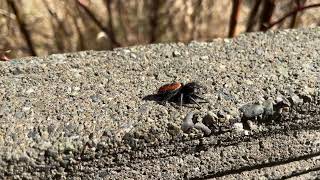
[[178, 92]]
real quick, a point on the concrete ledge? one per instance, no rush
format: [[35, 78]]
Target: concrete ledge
[[83, 114]]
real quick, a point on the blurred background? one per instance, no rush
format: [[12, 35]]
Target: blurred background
[[42, 27]]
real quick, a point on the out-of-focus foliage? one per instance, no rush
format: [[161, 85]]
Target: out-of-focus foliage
[[41, 27]]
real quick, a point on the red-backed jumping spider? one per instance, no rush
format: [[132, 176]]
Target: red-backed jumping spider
[[178, 92]]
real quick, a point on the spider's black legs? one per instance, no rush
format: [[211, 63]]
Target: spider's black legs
[[193, 100], [181, 100], [202, 98], [168, 97]]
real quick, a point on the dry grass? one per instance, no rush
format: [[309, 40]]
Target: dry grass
[[41, 27]]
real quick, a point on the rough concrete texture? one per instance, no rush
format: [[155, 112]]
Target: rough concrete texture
[[83, 115]]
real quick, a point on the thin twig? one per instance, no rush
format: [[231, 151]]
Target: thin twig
[[108, 3], [122, 24], [7, 14], [81, 45], [253, 15], [196, 12], [290, 14], [298, 4], [23, 27], [234, 17], [266, 14], [57, 37], [106, 30], [154, 18]]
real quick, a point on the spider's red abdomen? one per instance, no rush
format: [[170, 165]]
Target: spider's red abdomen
[[169, 87]]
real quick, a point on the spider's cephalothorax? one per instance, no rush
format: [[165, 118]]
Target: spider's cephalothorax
[[178, 92]]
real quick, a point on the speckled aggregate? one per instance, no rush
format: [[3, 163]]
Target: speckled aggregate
[[83, 114]]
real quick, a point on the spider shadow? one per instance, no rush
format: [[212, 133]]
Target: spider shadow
[[174, 102]]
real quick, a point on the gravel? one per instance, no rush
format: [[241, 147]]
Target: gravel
[[86, 115]]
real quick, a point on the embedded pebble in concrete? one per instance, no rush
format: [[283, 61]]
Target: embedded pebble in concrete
[[295, 99], [210, 120], [203, 128], [187, 123], [268, 107], [251, 111], [238, 127]]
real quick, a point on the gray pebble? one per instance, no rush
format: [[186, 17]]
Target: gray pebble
[[187, 123], [203, 128], [132, 55], [282, 102], [295, 99], [268, 107], [221, 114], [210, 119], [176, 53], [238, 127], [204, 58], [252, 125], [95, 98], [252, 110]]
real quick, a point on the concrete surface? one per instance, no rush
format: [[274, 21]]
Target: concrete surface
[[84, 115]]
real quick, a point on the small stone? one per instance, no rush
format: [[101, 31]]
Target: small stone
[[19, 114], [268, 107], [286, 109], [172, 129], [126, 50], [94, 98], [228, 117], [51, 153], [210, 119], [221, 114], [187, 124], [203, 128], [167, 54], [133, 55], [204, 58], [176, 53], [295, 99], [252, 110], [252, 126], [281, 102], [238, 127], [259, 51], [246, 133]]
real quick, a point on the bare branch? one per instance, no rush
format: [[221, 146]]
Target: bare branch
[[155, 5], [267, 11], [196, 12], [108, 3], [234, 17], [253, 15], [290, 14], [299, 4], [106, 30], [22, 26]]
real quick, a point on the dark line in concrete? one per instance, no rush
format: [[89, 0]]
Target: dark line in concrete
[[259, 166], [296, 174]]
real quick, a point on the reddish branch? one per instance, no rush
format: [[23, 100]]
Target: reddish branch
[[60, 45], [81, 43], [253, 15], [194, 16], [155, 5], [22, 26], [3, 56], [110, 16], [106, 30], [266, 14], [234, 17], [292, 13]]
